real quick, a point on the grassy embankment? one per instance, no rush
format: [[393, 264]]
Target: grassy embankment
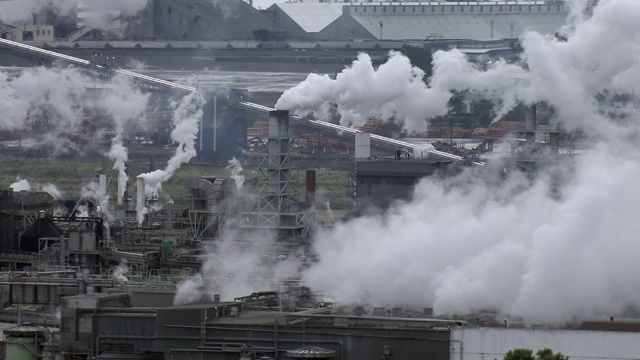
[[70, 177]]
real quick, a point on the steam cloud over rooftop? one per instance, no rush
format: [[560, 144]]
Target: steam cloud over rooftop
[[546, 250]]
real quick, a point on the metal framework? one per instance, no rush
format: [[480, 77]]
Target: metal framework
[[278, 207], [206, 224], [535, 149]]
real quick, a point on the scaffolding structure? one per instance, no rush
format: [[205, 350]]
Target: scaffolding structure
[[278, 207], [535, 149]]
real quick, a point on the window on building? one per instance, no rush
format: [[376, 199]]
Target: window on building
[[169, 10]]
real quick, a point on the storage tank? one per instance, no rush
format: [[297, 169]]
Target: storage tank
[[311, 352], [24, 342]]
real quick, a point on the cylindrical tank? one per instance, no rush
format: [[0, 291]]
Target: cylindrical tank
[[24, 342], [311, 352]]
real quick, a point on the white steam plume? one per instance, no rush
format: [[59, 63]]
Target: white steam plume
[[26, 185], [236, 172], [393, 90], [120, 272], [186, 117], [238, 264], [463, 245], [21, 185], [126, 103]]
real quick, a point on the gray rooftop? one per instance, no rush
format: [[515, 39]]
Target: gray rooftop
[[311, 17]]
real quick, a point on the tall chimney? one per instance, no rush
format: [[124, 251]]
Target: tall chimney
[[140, 198], [121, 187]]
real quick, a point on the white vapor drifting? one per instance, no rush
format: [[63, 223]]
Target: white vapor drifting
[[237, 265], [26, 185], [121, 271], [126, 104], [463, 244], [393, 90], [186, 117]]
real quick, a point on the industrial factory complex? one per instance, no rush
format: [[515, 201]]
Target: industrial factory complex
[[142, 277]]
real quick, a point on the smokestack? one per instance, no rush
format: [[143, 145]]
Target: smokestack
[[102, 181], [140, 198], [278, 151], [311, 188], [363, 146], [121, 188]]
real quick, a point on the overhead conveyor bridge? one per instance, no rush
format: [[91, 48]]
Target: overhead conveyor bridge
[[159, 83], [375, 139]]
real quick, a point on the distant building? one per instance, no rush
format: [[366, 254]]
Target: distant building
[[27, 32], [418, 21], [381, 182]]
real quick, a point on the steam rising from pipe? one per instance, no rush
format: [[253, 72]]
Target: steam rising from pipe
[[25, 185], [187, 115], [120, 272], [394, 90], [236, 172], [547, 250]]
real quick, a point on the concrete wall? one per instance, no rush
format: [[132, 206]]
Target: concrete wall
[[381, 182], [493, 343]]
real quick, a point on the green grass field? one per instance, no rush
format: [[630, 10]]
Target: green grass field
[[70, 177]]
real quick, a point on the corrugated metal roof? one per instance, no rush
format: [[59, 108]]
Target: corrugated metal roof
[[23, 329], [312, 17], [458, 26]]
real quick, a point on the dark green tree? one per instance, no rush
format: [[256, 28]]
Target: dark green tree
[[519, 354], [547, 354], [483, 111], [527, 354], [419, 57]]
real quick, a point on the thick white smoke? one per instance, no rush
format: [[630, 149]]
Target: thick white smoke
[[239, 263], [236, 172], [126, 104], [393, 90], [120, 272], [26, 185], [546, 251], [186, 117]]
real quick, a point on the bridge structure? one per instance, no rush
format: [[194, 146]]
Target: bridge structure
[[43, 56]]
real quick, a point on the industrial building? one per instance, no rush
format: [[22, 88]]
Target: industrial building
[[69, 262], [226, 20]]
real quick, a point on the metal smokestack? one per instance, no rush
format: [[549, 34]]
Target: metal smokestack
[[121, 187], [278, 151], [140, 197]]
